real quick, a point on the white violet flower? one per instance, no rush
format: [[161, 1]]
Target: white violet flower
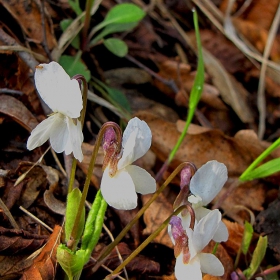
[[63, 96], [204, 186], [119, 189], [190, 261]]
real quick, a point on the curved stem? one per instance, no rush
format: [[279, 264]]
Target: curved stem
[[90, 169], [140, 212], [148, 240]]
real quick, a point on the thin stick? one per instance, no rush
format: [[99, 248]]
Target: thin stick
[[261, 89], [8, 214], [35, 218]]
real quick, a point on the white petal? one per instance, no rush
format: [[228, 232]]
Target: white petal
[[143, 181], [211, 264], [58, 91], [187, 271], [221, 233], [59, 134], [118, 191], [136, 141], [205, 229], [186, 220], [41, 133], [75, 140], [208, 180]]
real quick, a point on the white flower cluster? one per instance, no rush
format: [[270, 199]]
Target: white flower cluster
[[204, 186], [63, 96]]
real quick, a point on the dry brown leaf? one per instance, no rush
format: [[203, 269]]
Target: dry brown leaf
[[257, 36], [155, 215], [51, 201], [44, 264], [12, 266], [258, 11], [35, 183], [13, 241], [139, 264], [18, 112], [120, 78], [184, 78], [233, 60], [250, 195], [200, 148], [28, 16]]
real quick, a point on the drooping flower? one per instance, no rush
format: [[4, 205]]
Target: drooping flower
[[119, 189], [191, 262], [204, 186], [63, 96]]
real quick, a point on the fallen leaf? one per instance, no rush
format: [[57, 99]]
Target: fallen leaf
[[13, 241], [155, 215], [18, 112], [57, 206], [200, 148], [35, 183], [257, 11], [139, 264], [12, 266], [257, 36], [250, 195], [44, 265], [28, 15]]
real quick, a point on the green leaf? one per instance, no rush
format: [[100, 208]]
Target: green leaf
[[64, 24], [264, 170], [113, 28], [257, 257], [75, 5], [247, 237], [72, 263], [116, 46], [74, 66], [73, 200], [115, 96], [90, 222], [259, 159], [122, 13]]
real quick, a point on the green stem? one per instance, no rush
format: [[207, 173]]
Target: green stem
[[90, 169], [140, 212], [83, 113], [259, 159], [193, 101], [89, 4]]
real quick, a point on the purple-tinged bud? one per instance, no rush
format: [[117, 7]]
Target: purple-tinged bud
[[186, 175], [176, 227], [180, 237], [109, 138]]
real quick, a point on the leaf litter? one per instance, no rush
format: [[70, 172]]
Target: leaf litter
[[224, 128]]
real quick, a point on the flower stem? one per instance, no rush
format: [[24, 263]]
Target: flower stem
[[147, 241], [90, 169], [83, 113], [140, 212]]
